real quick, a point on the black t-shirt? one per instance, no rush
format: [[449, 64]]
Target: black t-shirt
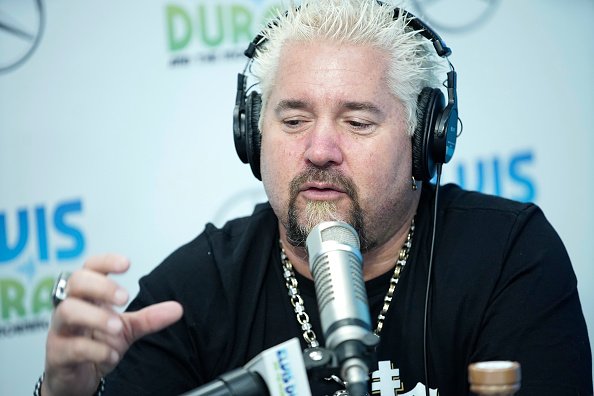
[[502, 289]]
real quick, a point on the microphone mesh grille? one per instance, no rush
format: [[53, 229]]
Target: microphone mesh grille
[[340, 234]]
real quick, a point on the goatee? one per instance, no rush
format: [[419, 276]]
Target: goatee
[[316, 212]]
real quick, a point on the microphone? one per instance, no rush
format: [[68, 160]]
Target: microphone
[[336, 264], [277, 371]]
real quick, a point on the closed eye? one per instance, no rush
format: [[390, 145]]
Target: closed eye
[[359, 124], [360, 127], [294, 124]]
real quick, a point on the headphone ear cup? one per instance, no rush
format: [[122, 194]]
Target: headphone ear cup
[[430, 103], [252, 132], [239, 129]]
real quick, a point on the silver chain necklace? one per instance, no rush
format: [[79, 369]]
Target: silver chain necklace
[[297, 302]]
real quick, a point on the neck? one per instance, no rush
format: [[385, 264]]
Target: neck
[[377, 261]]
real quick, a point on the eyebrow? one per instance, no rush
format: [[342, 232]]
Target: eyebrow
[[364, 106], [290, 104]]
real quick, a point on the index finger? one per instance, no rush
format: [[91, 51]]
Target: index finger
[[108, 263]]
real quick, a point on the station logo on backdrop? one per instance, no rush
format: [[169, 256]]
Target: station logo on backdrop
[[510, 174], [202, 32], [36, 243], [21, 29]]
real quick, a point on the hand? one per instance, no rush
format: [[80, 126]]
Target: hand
[[87, 337]]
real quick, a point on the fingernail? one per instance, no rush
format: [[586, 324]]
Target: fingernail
[[121, 263], [114, 325], [120, 296], [124, 264], [114, 357]]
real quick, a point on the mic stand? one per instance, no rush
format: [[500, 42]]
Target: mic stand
[[321, 363]]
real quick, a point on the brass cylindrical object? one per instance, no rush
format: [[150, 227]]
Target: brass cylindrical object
[[496, 378]]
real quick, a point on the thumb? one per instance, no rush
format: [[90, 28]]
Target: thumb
[[151, 319]]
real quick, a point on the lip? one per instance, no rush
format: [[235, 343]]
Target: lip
[[321, 191]]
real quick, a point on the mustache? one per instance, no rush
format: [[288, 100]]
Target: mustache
[[328, 176]]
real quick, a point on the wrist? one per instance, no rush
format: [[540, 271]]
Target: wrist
[[37, 391]]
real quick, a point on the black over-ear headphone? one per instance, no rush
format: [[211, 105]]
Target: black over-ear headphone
[[433, 140]]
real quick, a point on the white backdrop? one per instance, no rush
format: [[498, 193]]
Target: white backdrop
[[115, 133]]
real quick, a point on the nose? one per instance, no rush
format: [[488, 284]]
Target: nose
[[323, 145]]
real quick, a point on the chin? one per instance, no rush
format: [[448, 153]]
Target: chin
[[316, 212], [302, 220]]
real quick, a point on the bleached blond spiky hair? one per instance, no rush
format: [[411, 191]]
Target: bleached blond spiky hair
[[413, 62]]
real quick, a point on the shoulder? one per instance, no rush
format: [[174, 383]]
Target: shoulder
[[491, 228], [461, 208], [499, 239], [214, 257], [452, 197]]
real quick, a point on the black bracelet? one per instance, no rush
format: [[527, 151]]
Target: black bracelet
[[98, 392]]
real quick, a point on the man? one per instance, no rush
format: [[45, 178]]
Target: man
[[342, 93]]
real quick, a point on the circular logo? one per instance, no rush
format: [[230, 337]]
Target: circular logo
[[468, 15], [21, 28]]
